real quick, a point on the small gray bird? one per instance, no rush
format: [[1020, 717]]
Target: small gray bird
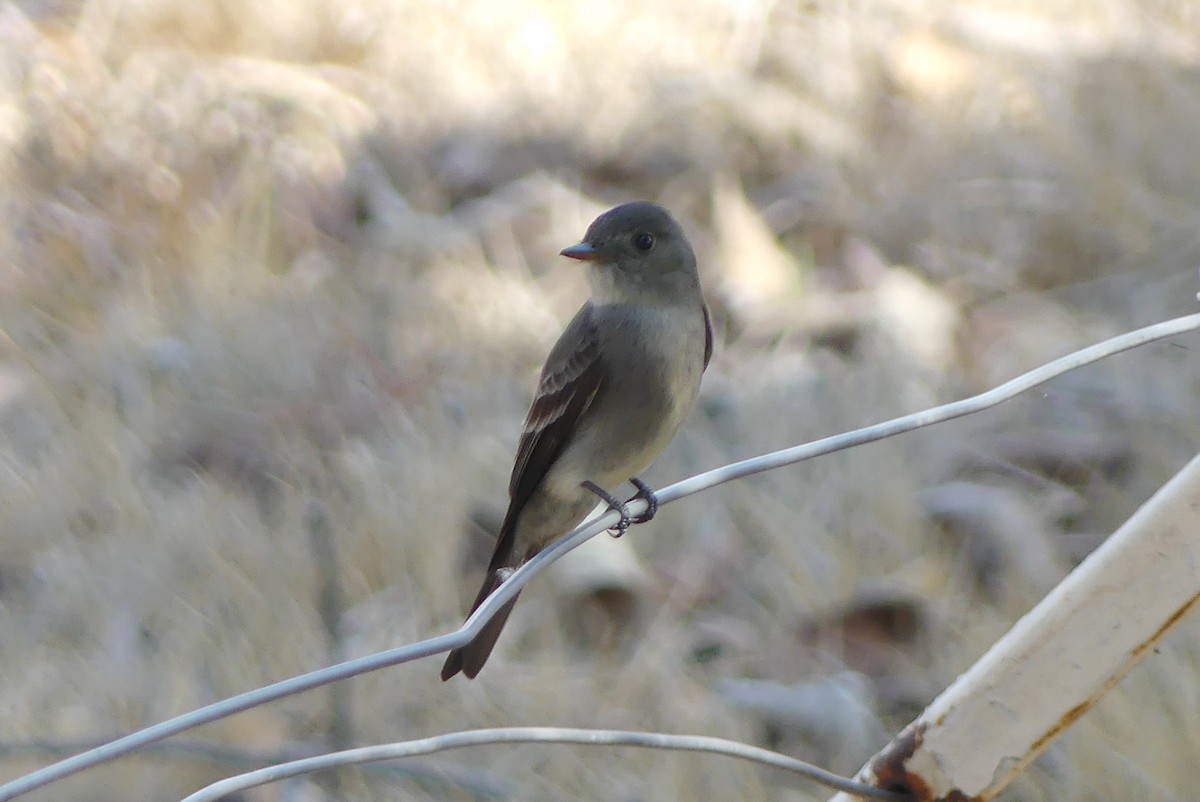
[[613, 392]]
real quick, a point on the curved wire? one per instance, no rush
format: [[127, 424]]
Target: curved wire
[[552, 735]]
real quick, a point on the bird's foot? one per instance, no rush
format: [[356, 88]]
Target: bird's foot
[[646, 494], [613, 504]]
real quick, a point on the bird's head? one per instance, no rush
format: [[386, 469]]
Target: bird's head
[[637, 251]]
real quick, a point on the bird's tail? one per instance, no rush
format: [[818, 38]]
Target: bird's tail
[[469, 659]]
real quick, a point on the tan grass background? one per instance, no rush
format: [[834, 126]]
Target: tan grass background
[[273, 263]]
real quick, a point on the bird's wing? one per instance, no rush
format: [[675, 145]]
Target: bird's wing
[[708, 336], [569, 382]]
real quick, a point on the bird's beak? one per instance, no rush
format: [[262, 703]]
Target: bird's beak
[[584, 252]]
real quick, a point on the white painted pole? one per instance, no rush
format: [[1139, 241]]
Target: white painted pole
[[1058, 660]]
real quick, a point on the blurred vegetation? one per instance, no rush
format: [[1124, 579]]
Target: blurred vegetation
[[276, 278]]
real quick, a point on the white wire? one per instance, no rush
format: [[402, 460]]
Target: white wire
[[546, 735]]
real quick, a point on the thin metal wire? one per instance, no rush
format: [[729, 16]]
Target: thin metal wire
[[521, 577], [434, 778], [546, 735]]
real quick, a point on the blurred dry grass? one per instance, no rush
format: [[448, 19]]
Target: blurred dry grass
[[260, 256]]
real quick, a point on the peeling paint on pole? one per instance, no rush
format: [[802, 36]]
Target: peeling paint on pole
[[1058, 660]]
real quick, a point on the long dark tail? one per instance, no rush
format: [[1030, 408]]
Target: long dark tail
[[469, 659]]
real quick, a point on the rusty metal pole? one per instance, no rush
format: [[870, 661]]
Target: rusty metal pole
[[1058, 660]]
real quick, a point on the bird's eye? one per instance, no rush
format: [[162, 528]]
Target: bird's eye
[[643, 241]]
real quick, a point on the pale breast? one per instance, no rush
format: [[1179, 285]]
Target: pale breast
[[653, 360]]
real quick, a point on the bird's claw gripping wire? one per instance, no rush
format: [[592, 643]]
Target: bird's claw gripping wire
[[613, 504], [646, 494], [622, 507]]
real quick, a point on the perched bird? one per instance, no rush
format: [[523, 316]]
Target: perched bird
[[613, 392]]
